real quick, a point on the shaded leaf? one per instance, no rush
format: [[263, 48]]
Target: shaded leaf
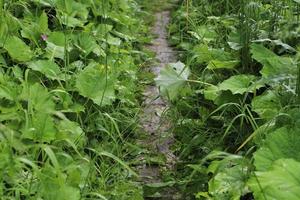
[[267, 105], [273, 65]]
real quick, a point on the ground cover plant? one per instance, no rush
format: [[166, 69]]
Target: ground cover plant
[[68, 98], [236, 98], [72, 75]]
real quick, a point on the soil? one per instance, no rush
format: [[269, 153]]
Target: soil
[[158, 129]]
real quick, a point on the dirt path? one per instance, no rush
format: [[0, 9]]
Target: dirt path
[[159, 137]]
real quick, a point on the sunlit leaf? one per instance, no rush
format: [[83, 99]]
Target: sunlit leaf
[[17, 49], [281, 181], [94, 83], [218, 64], [47, 67], [283, 143], [172, 79], [241, 84]]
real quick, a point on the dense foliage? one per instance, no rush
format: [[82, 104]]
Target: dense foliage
[[70, 95], [67, 98], [236, 100]]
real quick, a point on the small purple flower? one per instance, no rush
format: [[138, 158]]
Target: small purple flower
[[44, 37]]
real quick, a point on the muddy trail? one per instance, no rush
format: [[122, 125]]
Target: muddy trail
[[158, 139]]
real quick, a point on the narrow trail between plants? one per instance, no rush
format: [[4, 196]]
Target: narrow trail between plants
[[159, 138]]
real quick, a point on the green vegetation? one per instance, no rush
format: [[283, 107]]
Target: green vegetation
[[68, 98], [237, 114], [71, 81]]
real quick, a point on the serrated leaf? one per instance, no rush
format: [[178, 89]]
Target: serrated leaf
[[211, 92], [282, 143], [172, 79], [273, 65], [87, 44], [241, 84], [267, 105], [41, 128], [47, 67], [17, 49], [280, 182], [93, 83]]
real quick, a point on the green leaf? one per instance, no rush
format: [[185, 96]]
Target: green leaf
[[38, 97], [172, 79], [54, 51], [17, 49], [228, 184], [93, 83], [241, 84], [56, 45], [102, 29], [87, 44], [273, 66], [261, 53], [218, 64], [69, 130], [282, 143], [43, 23], [230, 175], [41, 128], [211, 92], [267, 105], [112, 40], [47, 67], [280, 182], [71, 21]]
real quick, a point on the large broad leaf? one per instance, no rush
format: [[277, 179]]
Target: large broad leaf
[[229, 176], [95, 84], [282, 143], [17, 49], [281, 182], [241, 84], [273, 66], [228, 184], [267, 105], [172, 79], [47, 67]]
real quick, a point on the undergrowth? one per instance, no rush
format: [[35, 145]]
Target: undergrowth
[[69, 98], [235, 100]]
